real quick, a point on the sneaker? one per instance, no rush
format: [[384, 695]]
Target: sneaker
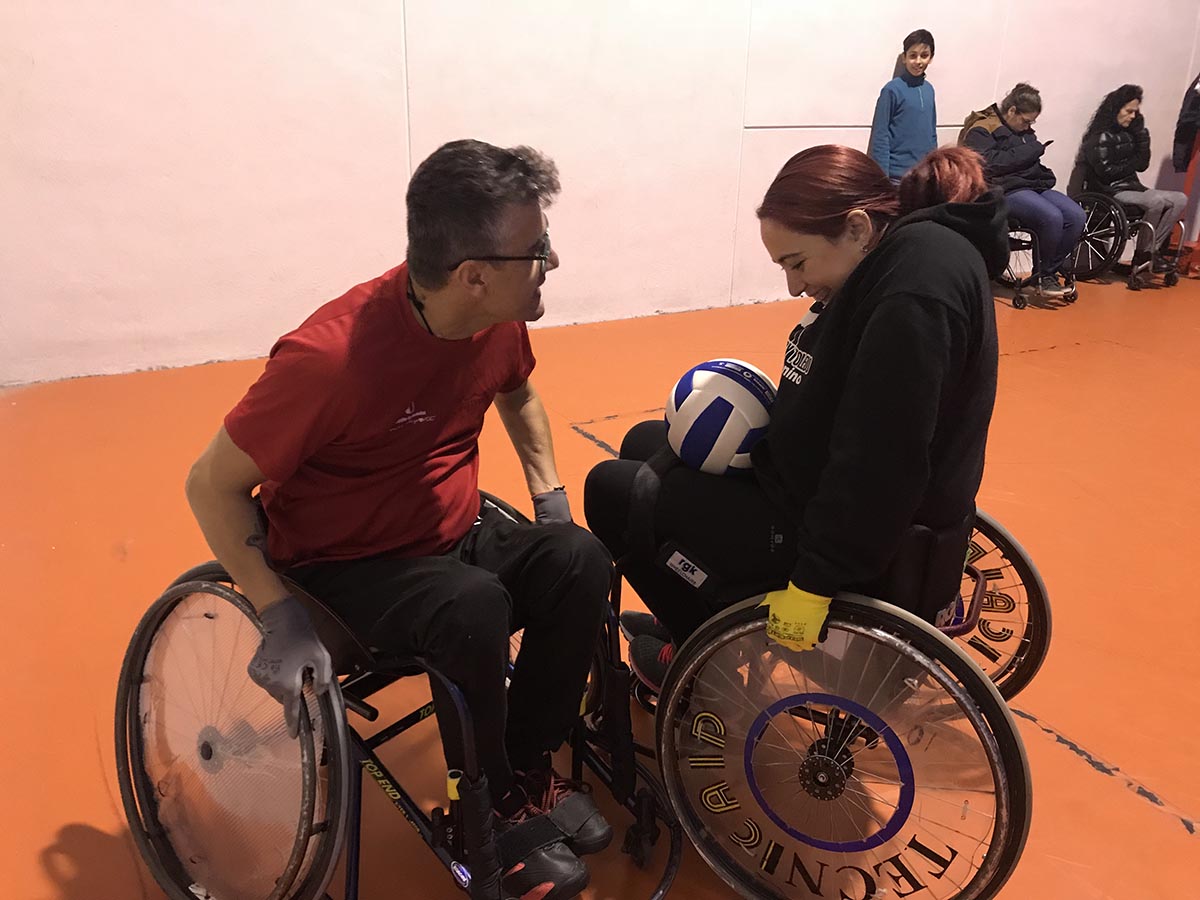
[[1162, 265], [650, 658], [548, 872], [635, 624], [1050, 286], [569, 805]]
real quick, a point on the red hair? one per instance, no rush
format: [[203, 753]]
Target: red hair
[[818, 188], [950, 175]]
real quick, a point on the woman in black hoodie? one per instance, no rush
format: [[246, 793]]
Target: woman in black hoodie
[[875, 447], [1116, 146]]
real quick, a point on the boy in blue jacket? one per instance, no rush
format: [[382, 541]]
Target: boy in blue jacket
[[905, 126]]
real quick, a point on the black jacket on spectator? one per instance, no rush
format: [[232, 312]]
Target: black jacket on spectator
[[1011, 161], [1185, 128], [1115, 156]]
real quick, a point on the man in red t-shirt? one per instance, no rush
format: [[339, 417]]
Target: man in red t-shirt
[[362, 435]]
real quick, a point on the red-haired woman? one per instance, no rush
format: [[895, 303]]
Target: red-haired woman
[[875, 448]]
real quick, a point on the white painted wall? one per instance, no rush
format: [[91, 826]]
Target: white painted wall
[[639, 103], [183, 182]]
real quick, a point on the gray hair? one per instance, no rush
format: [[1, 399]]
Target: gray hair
[[457, 198]]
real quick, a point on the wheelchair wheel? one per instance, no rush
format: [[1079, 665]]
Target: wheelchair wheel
[[1019, 271], [220, 801], [1013, 635], [881, 763], [1105, 231]]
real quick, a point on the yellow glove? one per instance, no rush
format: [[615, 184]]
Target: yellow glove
[[795, 617]]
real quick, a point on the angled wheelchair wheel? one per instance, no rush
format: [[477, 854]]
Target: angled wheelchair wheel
[[221, 802], [882, 763], [1105, 232], [1013, 635]]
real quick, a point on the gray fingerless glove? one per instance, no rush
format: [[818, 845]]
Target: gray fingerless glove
[[551, 506], [289, 648]]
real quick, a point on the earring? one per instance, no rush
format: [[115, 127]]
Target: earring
[[865, 248]]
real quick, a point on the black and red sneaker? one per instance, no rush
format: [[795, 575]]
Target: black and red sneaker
[[650, 658], [634, 624], [538, 864], [569, 805]]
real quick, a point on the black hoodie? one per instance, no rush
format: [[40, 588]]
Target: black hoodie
[[883, 408]]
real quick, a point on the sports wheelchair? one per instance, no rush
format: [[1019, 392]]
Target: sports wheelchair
[[1107, 231], [884, 759]]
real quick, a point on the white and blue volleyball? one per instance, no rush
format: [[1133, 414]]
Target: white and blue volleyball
[[717, 412]]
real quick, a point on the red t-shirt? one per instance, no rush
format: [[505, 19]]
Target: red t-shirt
[[367, 427]]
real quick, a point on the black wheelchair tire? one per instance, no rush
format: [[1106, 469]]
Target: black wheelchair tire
[[149, 838], [1100, 262], [1038, 630]]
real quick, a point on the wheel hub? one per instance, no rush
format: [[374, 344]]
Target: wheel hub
[[210, 746], [822, 777]]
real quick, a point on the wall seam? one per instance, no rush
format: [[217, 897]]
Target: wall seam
[[741, 151], [407, 86]]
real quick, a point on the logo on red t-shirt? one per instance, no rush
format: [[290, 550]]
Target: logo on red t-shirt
[[412, 416]]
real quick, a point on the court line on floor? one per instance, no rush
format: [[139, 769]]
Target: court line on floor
[[1027, 350], [577, 427], [1190, 823]]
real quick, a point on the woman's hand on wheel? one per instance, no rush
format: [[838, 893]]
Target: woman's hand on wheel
[[795, 617]]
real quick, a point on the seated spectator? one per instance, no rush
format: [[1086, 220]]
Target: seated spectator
[[1115, 148], [1003, 135]]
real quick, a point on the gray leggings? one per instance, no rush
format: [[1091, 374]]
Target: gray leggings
[[1162, 209]]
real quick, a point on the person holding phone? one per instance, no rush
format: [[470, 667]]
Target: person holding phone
[[1012, 160]]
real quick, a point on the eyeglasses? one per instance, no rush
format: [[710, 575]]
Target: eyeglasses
[[542, 255]]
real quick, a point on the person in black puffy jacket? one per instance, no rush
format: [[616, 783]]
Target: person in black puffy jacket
[[1115, 148]]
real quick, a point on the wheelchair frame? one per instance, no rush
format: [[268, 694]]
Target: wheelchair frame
[[1020, 284]]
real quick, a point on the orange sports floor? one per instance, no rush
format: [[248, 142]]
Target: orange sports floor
[[1092, 465]]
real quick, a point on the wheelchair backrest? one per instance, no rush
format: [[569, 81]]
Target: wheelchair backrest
[[1078, 181]]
